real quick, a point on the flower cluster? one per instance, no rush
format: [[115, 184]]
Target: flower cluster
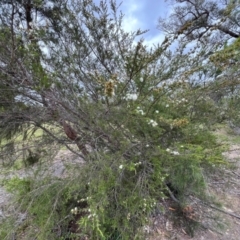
[[131, 96], [180, 122], [140, 111], [173, 152], [84, 199], [146, 204], [152, 122], [92, 215], [183, 100], [137, 164], [109, 88], [174, 123], [74, 211]]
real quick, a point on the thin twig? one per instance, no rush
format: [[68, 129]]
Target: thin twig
[[219, 209]]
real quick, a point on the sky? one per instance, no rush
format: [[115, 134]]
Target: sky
[[144, 14]]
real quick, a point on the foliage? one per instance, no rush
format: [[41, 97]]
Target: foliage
[[137, 116], [208, 32], [44, 202], [210, 21]]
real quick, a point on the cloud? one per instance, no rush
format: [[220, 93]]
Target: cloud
[[144, 15], [131, 24], [154, 40], [131, 20]]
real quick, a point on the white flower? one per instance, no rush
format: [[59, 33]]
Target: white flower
[[141, 79], [131, 96], [153, 123], [172, 152], [53, 86], [147, 145], [140, 111], [74, 210], [137, 164], [121, 166], [167, 105], [175, 153], [156, 111]]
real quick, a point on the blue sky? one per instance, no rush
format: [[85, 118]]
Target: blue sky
[[144, 14]]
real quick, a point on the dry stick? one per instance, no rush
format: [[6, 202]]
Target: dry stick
[[236, 174], [220, 210]]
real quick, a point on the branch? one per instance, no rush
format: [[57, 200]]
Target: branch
[[220, 210], [227, 31], [58, 140], [172, 195]]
